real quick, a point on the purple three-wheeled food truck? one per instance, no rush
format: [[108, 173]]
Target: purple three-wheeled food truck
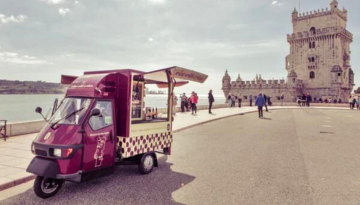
[[103, 121]]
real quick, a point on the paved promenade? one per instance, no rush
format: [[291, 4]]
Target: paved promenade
[[15, 154]]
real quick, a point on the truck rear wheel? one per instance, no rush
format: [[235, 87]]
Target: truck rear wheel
[[46, 187], [146, 163]]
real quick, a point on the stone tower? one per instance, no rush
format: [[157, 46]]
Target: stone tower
[[226, 84], [320, 52]]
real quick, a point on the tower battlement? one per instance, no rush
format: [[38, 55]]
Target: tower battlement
[[262, 83], [320, 32], [319, 13]]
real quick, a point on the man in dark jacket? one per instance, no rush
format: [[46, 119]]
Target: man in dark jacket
[[260, 102], [308, 99], [266, 98], [211, 100]]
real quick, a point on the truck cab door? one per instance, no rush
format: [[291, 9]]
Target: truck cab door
[[99, 138]]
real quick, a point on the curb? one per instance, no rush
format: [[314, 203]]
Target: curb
[[16, 182]]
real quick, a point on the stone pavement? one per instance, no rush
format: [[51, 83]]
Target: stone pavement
[[15, 154]]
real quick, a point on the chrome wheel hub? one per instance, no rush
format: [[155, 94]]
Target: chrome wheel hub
[[148, 163], [49, 185]]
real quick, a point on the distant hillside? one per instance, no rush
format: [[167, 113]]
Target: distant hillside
[[30, 87]]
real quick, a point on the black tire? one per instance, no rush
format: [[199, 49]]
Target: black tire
[[146, 163], [46, 187]]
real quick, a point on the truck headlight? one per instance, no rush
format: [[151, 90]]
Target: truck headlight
[[62, 152], [57, 152]]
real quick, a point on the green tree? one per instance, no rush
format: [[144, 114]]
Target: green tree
[[358, 90]]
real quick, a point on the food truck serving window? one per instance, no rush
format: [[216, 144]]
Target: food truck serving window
[[146, 110], [105, 118], [71, 111]]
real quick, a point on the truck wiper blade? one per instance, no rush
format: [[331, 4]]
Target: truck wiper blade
[[66, 117]]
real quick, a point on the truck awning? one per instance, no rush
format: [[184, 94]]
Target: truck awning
[[67, 79], [179, 74]]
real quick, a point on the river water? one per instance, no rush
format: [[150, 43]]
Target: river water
[[15, 108]]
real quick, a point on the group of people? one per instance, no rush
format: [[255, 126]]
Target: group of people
[[354, 101], [304, 100], [188, 103], [232, 99]]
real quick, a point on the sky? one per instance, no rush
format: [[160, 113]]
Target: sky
[[42, 39]]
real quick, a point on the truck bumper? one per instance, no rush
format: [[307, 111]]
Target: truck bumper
[[50, 168]]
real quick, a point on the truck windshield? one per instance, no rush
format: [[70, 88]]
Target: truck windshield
[[71, 111]]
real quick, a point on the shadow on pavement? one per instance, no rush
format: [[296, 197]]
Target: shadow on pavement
[[125, 186], [265, 118]]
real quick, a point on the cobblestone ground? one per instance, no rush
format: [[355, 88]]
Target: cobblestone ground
[[308, 156]]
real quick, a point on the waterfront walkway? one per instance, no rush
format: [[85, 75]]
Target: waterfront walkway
[[15, 154]]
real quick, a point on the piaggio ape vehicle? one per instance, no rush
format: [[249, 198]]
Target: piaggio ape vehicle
[[103, 122]]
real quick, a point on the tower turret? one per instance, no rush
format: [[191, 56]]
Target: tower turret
[[334, 5], [226, 84], [294, 15], [292, 78], [238, 78]]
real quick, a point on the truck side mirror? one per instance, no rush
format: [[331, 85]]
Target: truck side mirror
[[38, 110], [95, 112]]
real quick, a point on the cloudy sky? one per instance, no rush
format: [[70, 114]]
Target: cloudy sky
[[42, 39]]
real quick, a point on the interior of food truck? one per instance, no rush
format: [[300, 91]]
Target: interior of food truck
[[141, 112]]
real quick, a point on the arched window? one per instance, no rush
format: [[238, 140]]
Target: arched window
[[313, 31], [313, 59], [312, 75], [309, 44], [313, 45]]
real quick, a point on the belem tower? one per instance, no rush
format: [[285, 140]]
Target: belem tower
[[318, 63]]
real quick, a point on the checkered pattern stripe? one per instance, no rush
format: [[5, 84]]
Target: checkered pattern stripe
[[131, 146]]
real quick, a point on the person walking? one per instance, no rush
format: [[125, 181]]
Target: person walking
[[353, 102], [350, 102], [183, 102], [233, 100], [260, 102], [251, 99], [189, 104], [192, 98], [211, 101], [282, 99], [266, 98], [239, 99], [303, 100], [308, 99], [229, 99]]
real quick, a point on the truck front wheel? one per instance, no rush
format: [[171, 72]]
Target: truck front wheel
[[46, 187], [146, 163]]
